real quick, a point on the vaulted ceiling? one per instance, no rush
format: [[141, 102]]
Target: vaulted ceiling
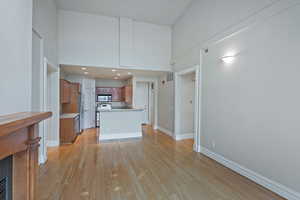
[[164, 12]]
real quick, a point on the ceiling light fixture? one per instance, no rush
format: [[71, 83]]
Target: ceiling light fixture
[[118, 74], [83, 68], [86, 73], [228, 59], [113, 70], [129, 73]]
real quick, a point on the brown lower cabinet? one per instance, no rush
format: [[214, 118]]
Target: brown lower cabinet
[[69, 129]]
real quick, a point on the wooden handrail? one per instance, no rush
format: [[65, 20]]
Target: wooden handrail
[[20, 139], [14, 122]]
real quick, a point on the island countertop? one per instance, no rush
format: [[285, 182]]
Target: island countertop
[[123, 110]]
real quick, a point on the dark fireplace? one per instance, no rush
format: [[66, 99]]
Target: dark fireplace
[[6, 178]]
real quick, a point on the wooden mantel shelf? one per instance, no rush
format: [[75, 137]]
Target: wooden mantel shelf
[[11, 123], [19, 138]]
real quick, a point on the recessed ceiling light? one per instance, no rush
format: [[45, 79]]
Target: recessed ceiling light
[[113, 70], [83, 68], [86, 73], [129, 73], [118, 74]]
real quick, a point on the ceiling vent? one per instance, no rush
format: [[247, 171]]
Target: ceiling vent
[[170, 76]]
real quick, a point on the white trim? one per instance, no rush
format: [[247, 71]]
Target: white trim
[[52, 143], [257, 178], [164, 130], [42, 126], [184, 136], [117, 136], [148, 68]]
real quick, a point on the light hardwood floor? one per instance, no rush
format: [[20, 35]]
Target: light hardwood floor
[[154, 167]]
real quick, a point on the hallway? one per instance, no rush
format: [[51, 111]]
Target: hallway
[[154, 167]]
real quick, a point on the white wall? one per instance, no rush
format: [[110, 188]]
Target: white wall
[[15, 54], [250, 109], [166, 100], [88, 40], [45, 23], [204, 20]]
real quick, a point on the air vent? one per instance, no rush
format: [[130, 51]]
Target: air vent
[[170, 76]]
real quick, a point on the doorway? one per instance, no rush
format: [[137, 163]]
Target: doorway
[[145, 99], [44, 95], [187, 101]]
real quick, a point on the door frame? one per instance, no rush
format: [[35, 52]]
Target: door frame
[[42, 154], [52, 72], [177, 128]]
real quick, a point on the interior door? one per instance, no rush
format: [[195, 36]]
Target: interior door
[[142, 99]]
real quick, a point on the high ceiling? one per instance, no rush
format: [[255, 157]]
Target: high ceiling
[[107, 73], [164, 12]]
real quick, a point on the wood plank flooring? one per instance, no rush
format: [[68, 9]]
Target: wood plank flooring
[[152, 168]]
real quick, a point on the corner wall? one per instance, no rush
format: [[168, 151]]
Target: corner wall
[[204, 20], [166, 100], [15, 55], [249, 108]]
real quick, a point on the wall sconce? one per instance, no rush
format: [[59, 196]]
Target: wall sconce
[[228, 59]]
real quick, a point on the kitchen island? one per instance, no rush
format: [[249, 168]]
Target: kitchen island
[[120, 124]]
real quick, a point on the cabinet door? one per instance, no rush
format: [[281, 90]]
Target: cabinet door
[[123, 93], [65, 91], [104, 90], [128, 94], [117, 94]]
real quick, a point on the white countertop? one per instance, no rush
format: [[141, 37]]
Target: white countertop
[[123, 110], [68, 115]]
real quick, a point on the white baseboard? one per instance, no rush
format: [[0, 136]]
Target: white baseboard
[[257, 178], [120, 136], [166, 131], [184, 136], [52, 143]]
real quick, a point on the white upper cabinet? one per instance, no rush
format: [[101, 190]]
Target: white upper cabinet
[[152, 46], [144, 45], [99, 41], [126, 42], [88, 40]]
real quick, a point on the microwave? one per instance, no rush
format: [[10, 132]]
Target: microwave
[[104, 98]]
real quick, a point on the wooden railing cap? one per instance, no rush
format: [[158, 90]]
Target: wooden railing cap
[[14, 122]]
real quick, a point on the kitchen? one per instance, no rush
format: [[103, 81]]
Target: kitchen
[[112, 100]]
